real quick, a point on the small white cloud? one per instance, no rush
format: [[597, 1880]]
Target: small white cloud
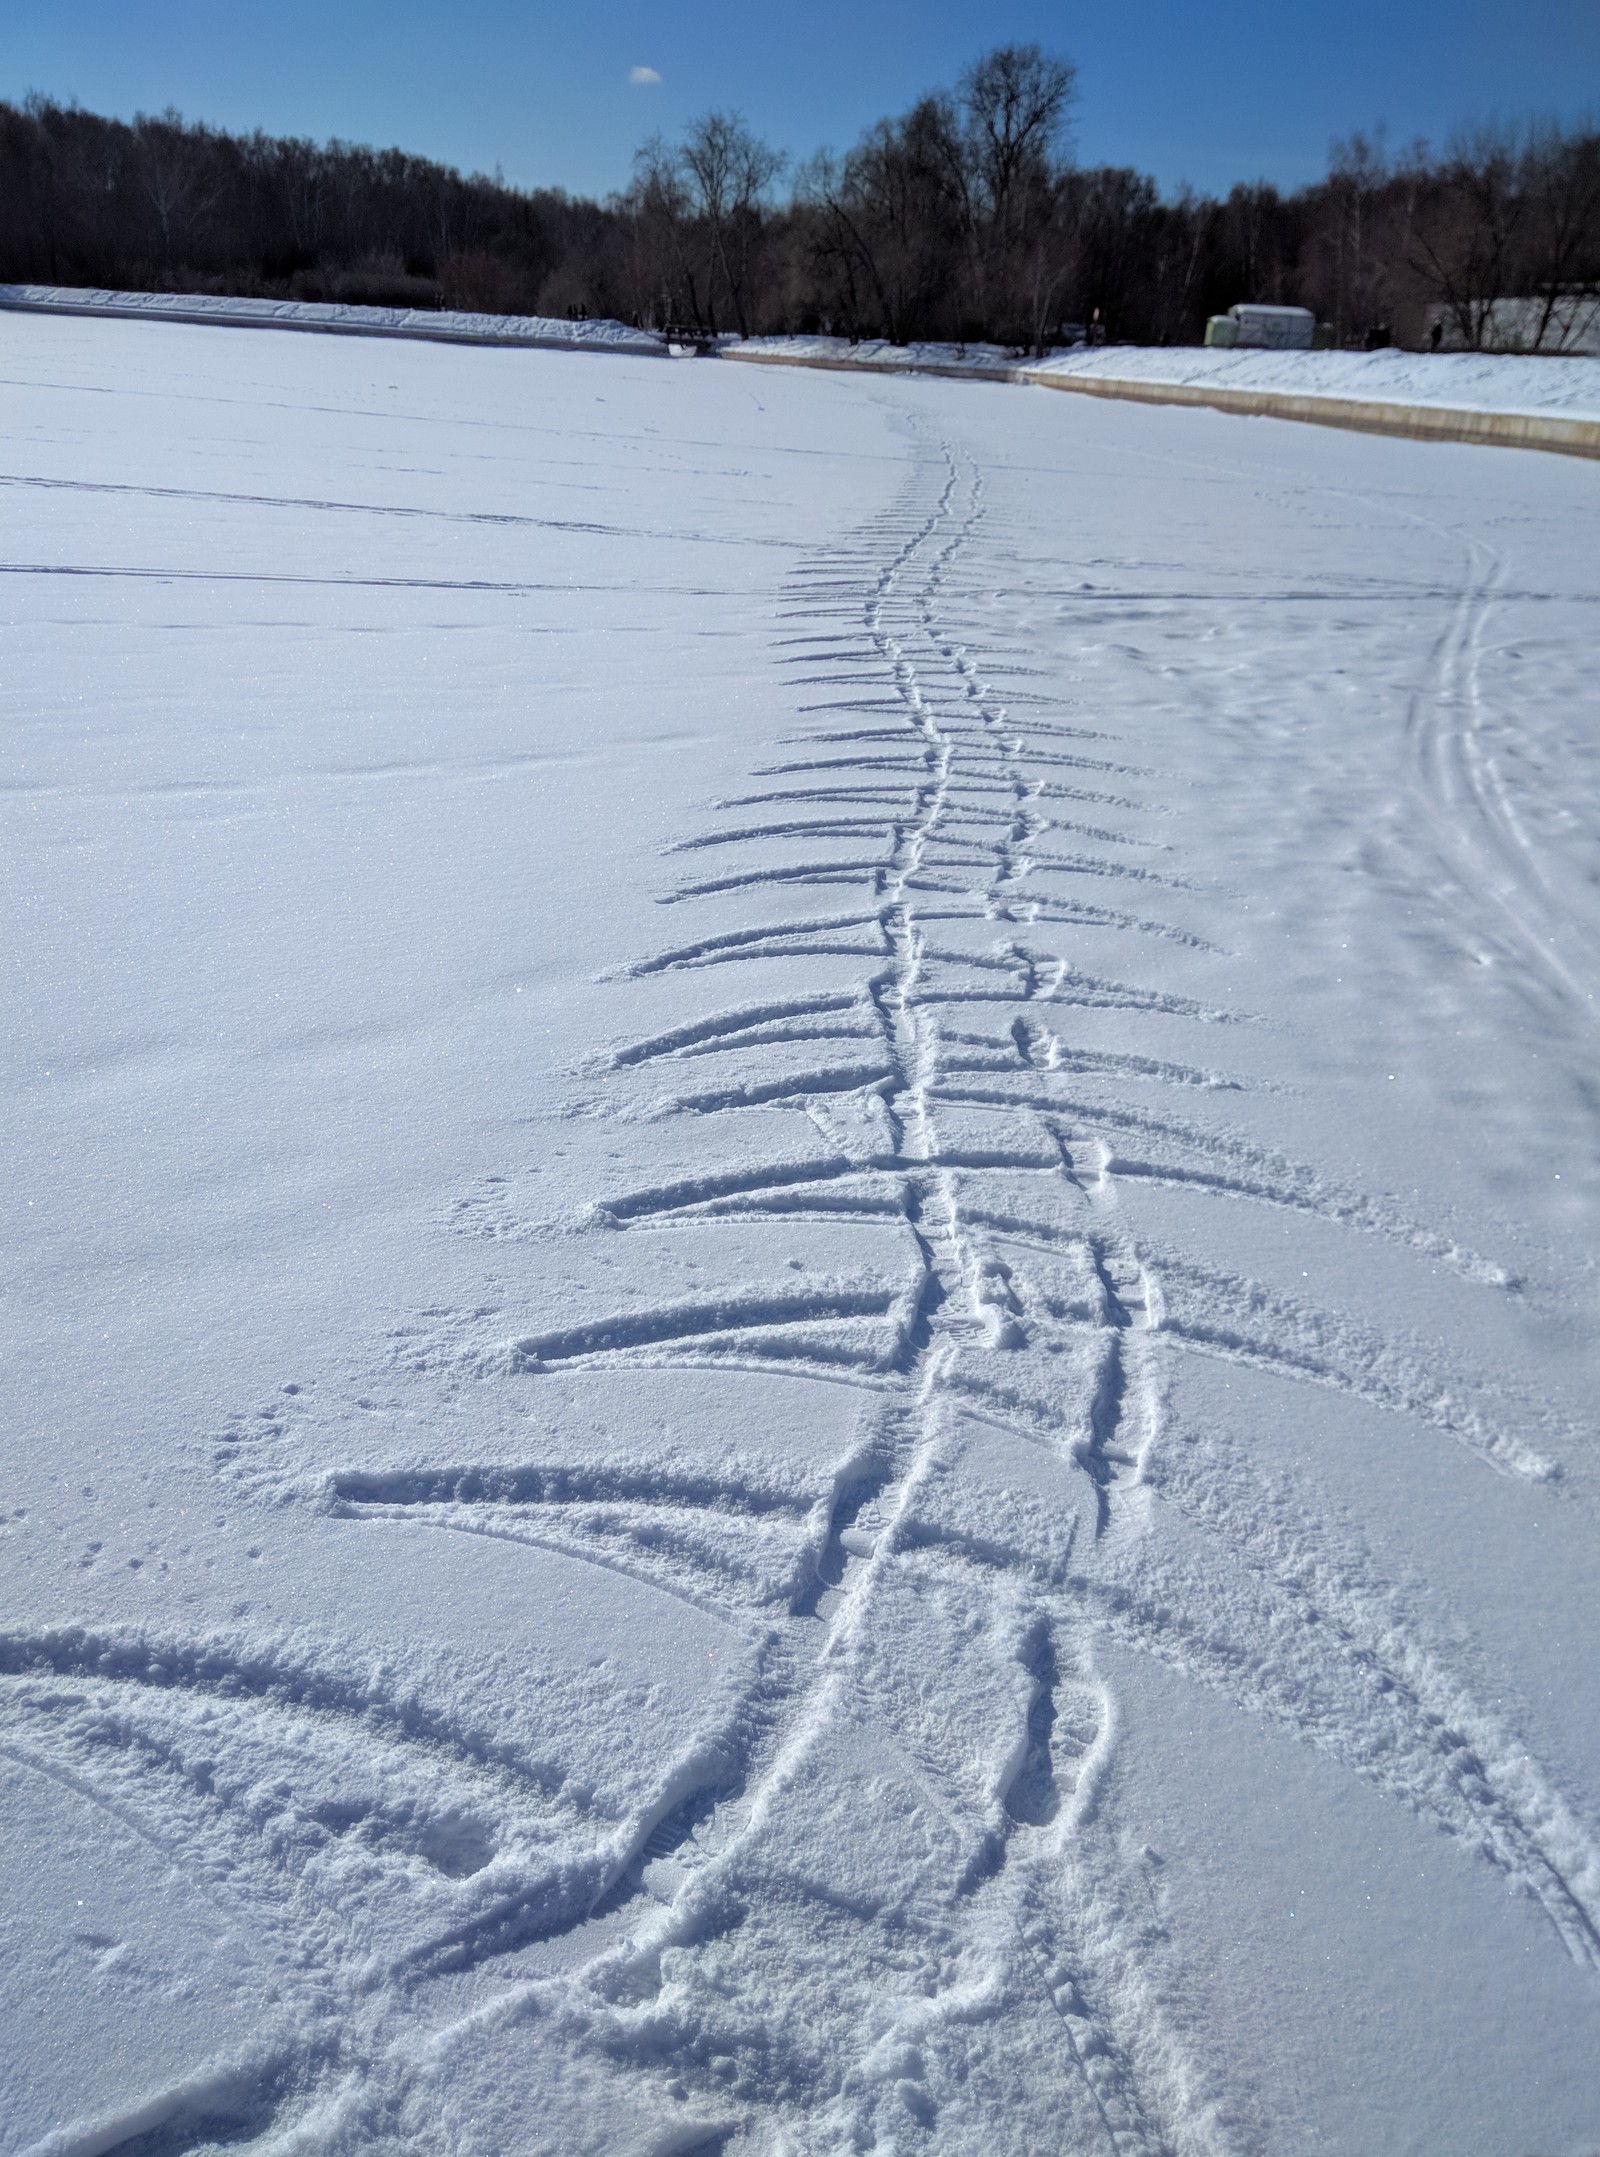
[[643, 74]]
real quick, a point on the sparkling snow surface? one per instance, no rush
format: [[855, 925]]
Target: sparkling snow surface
[[800, 1279]]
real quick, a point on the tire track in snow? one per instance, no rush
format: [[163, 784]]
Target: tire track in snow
[[1477, 835]]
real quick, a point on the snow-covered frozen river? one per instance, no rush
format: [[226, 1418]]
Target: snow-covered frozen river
[[800, 1272]]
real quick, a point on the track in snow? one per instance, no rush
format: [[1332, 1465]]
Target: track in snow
[[887, 1893]]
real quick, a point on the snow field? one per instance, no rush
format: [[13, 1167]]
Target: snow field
[[803, 1344]]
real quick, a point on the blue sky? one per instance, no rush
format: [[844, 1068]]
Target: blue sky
[[1205, 93]]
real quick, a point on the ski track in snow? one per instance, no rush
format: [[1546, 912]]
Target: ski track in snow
[[1476, 830], [920, 1684]]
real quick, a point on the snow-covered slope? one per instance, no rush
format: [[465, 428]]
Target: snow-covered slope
[[800, 1300], [1550, 387], [443, 326]]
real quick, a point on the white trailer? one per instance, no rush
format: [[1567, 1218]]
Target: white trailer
[[1269, 329]]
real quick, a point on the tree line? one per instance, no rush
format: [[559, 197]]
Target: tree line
[[963, 219]]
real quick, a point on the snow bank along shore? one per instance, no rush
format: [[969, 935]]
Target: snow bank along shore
[[1532, 403], [442, 327], [799, 1348], [1511, 400]]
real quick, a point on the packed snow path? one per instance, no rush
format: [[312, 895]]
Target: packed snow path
[[805, 1337]]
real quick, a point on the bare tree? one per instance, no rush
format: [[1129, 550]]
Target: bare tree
[[1562, 183], [728, 170], [895, 214], [1013, 105], [660, 210], [1466, 239], [1015, 102], [179, 177]]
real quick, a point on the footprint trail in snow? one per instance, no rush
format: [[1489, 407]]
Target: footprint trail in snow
[[857, 1411]]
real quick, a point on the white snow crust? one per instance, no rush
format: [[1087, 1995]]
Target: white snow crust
[[1554, 386], [800, 1330]]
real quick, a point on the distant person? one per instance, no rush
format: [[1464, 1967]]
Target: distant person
[[1435, 337]]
